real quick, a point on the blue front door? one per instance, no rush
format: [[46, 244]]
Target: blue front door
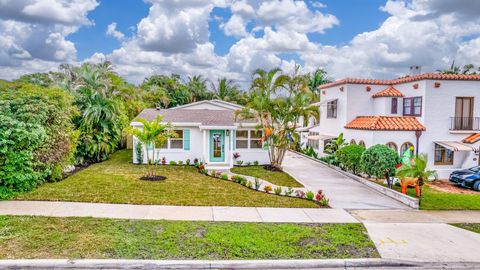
[[217, 145]]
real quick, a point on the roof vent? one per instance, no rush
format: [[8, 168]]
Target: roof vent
[[415, 70]]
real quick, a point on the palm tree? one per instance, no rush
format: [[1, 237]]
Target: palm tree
[[334, 145], [418, 169], [316, 79], [276, 112], [153, 133], [225, 90], [468, 69], [198, 87]]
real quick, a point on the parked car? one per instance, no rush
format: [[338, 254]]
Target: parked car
[[467, 178]]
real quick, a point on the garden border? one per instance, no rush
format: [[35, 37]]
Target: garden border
[[405, 199]]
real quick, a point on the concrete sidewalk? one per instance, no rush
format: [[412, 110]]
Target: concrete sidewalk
[[157, 212]]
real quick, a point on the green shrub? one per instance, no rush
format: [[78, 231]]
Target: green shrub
[[187, 162], [379, 161], [239, 179], [173, 162], [324, 201], [330, 159], [139, 152], [255, 163], [349, 156], [180, 162], [224, 176], [213, 173], [258, 183], [278, 190], [309, 195], [248, 163], [289, 191], [249, 184], [239, 162], [309, 151]]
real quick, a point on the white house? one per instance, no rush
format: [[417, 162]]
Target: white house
[[208, 132], [437, 114]]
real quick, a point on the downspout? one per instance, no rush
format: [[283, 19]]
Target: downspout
[[418, 133]]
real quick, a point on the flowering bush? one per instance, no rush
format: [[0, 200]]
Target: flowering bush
[[267, 189], [319, 196]]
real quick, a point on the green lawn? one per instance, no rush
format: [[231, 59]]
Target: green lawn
[[433, 199], [277, 178], [26, 237], [474, 227], [117, 181]]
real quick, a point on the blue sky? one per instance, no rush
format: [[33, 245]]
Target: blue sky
[[231, 38]]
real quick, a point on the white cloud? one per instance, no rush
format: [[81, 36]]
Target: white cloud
[[33, 33], [112, 31]]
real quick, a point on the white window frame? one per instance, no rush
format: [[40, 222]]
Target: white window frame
[[248, 139]]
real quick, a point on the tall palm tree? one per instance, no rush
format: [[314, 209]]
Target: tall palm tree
[[225, 90], [316, 79], [467, 69], [198, 87]]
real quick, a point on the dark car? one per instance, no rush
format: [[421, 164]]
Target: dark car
[[467, 178]]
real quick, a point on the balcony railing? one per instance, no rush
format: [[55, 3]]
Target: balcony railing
[[464, 123]]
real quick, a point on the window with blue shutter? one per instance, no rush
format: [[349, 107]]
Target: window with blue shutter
[[186, 139]]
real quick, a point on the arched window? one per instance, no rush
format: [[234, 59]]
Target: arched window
[[353, 141], [404, 147], [362, 143], [392, 146]]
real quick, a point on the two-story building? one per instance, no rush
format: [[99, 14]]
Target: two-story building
[[437, 114]]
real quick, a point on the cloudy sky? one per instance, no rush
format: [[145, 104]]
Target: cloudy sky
[[217, 38]]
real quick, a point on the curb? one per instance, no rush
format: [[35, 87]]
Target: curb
[[202, 264], [400, 197]]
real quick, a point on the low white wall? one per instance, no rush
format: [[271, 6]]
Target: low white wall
[[252, 155]]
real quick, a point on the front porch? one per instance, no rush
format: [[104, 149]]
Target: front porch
[[217, 147]]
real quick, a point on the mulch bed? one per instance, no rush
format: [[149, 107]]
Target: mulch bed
[[153, 178], [446, 186]]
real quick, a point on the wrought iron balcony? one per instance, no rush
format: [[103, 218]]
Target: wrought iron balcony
[[464, 123]]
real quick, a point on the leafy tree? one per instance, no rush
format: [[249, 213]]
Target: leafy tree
[[37, 138], [165, 91], [153, 133], [380, 161], [418, 169], [349, 156]]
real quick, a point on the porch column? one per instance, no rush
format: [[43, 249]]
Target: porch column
[[205, 145], [230, 147]]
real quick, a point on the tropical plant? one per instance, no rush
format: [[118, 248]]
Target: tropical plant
[[225, 89], [197, 86], [139, 152], [187, 162], [256, 163], [239, 162], [275, 111], [349, 156], [380, 161], [467, 69], [277, 190], [335, 144], [309, 195], [309, 151], [289, 191], [151, 134], [417, 169], [258, 183], [316, 79]]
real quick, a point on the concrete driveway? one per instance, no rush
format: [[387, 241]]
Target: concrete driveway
[[342, 191]]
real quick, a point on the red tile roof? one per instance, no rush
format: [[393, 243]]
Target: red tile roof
[[389, 92], [394, 123], [406, 79], [472, 138]]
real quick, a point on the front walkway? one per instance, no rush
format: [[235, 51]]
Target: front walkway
[[343, 192]]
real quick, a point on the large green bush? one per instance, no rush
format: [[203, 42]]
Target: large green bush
[[37, 138], [379, 161], [349, 156]]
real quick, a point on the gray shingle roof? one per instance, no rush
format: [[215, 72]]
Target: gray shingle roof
[[203, 116]]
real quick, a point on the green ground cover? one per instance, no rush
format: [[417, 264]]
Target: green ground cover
[[52, 237], [117, 181]]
